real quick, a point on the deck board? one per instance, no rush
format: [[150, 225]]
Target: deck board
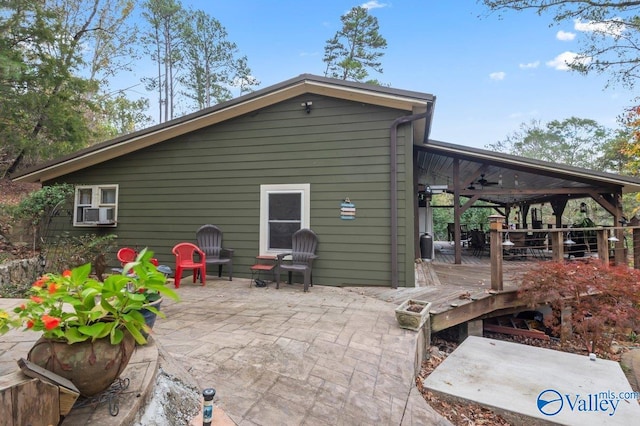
[[464, 287]]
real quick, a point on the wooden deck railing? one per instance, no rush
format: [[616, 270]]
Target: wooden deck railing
[[611, 244]]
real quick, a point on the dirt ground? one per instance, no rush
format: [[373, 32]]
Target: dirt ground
[[11, 193]]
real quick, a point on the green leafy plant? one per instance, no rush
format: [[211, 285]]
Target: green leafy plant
[[604, 300], [35, 207], [39, 206], [74, 307]]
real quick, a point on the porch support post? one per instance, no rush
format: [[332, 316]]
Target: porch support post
[[619, 253], [457, 251], [557, 245], [636, 248], [495, 226], [602, 236]]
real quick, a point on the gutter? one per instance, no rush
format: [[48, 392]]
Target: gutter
[[394, 183]]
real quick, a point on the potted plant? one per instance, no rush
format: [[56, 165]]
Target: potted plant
[[151, 308], [88, 324], [413, 314]]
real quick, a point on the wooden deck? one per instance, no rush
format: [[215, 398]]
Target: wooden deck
[[460, 293]]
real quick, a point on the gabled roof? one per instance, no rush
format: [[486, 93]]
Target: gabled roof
[[413, 102]]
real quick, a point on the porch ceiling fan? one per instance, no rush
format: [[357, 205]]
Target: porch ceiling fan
[[484, 182]]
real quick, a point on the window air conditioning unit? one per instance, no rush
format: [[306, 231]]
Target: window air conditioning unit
[[98, 215]]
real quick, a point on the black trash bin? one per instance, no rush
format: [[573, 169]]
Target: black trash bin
[[426, 246]]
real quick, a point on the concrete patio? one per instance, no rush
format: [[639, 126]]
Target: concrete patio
[[332, 356]]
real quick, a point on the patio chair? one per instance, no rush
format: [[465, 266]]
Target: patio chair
[[478, 241], [186, 259], [127, 254], [303, 252], [209, 239]]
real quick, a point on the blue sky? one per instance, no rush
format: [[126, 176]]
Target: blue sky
[[489, 75]]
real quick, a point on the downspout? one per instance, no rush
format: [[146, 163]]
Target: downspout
[[394, 186]]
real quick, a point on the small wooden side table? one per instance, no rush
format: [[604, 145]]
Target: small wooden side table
[[263, 263]]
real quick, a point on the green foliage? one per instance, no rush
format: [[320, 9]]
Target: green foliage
[[39, 204], [574, 142], [161, 41], [604, 300], [474, 218], [355, 48], [193, 57], [74, 307], [120, 115], [55, 57], [211, 61]]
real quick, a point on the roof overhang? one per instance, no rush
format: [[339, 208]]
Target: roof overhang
[[512, 179], [412, 102]]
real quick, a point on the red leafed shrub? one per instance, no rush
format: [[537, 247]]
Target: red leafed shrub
[[604, 300]]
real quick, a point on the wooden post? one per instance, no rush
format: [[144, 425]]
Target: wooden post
[[619, 252], [636, 248], [27, 401], [566, 328], [457, 253], [557, 246], [603, 245], [495, 226]]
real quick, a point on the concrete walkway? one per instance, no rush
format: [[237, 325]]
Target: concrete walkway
[[331, 356]]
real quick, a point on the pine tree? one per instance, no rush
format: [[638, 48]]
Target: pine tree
[[356, 48]]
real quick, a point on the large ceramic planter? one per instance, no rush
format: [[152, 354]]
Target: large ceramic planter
[[91, 366], [413, 314]]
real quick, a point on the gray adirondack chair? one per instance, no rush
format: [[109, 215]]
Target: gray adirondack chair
[[303, 253], [209, 238]]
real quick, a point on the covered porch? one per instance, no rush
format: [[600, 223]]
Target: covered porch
[[478, 178]]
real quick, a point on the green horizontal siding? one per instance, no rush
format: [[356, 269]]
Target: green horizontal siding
[[214, 175]]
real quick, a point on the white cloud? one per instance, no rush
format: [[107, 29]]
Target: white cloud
[[497, 75], [562, 61], [614, 27], [373, 4], [565, 36], [530, 65]]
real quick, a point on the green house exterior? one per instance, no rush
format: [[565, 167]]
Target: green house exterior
[[336, 138]]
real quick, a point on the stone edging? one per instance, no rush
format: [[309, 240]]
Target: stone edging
[[21, 272]]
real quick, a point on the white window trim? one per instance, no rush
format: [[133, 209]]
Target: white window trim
[[95, 203], [299, 188]]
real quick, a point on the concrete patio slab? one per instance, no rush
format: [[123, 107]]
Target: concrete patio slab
[[535, 385]]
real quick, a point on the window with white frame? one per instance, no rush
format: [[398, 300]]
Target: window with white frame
[[283, 210], [95, 205]]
